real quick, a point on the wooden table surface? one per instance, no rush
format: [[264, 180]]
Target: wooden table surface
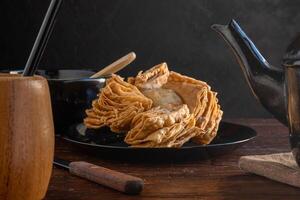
[[218, 178]]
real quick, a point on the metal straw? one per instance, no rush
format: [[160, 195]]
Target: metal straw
[[42, 38]]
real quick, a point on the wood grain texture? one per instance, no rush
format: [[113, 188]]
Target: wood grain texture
[[26, 137], [110, 178], [218, 178]]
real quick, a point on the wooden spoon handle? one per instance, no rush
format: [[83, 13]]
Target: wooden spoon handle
[[116, 66], [113, 179]]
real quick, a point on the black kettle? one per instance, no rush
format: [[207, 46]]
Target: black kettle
[[277, 89]]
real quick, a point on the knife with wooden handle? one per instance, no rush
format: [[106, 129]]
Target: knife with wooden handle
[[110, 178]]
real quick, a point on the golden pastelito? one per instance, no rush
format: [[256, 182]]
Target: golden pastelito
[[157, 108]]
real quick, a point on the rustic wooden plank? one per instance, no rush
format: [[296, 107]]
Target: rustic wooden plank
[[218, 178]]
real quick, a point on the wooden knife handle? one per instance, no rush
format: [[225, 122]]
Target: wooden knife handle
[[110, 178]]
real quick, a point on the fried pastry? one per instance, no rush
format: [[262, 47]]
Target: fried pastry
[[165, 98], [152, 78], [202, 102], [161, 127], [157, 108], [118, 103], [180, 90]]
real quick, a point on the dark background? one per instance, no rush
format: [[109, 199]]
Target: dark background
[[93, 33]]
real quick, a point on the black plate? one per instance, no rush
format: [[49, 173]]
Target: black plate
[[110, 146]]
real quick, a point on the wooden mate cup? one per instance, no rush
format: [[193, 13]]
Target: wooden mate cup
[[26, 137]]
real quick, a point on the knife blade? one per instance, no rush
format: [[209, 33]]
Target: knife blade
[[107, 177], [61, 163]]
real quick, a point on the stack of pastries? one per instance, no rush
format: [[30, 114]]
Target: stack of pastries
[[157, 108]]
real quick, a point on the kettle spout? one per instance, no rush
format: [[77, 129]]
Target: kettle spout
[[245, 51], [265, 81]]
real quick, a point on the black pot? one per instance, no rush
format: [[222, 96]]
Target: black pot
[[71, 93]]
